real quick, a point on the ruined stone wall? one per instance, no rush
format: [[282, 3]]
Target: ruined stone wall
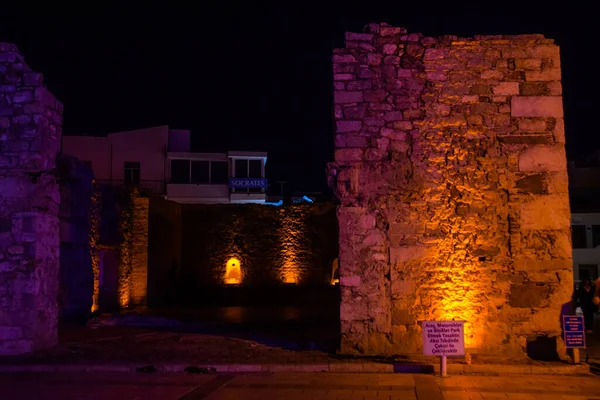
[[30, 133], [118, 243], [76, 274], [451, 172]]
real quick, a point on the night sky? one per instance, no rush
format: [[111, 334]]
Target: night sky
[[257, 76]]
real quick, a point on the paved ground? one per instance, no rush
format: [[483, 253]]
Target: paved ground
[[293, 386], [232, 341]]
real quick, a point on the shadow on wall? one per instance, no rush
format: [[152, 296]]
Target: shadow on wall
[[76, 278], [164, 250], [196, 249]]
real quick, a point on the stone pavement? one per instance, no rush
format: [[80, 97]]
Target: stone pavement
[[291, 386], [125, 349]]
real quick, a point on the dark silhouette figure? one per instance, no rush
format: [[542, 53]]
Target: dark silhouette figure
[[584, 296]]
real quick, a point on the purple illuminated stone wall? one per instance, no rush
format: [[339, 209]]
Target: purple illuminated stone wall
[[30, 133]]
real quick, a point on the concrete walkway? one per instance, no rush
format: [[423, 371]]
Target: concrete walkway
[[291, 386]]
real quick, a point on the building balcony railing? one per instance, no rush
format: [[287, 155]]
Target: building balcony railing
[[157, 187]]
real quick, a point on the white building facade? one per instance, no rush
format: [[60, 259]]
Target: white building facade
[[159, 159], [586, 245]]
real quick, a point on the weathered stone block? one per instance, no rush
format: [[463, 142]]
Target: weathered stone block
[[389, 48], [344, 58], [546, 212], [479, 89], [352, 281], [355, 310], [401, 317], [532, 125], [529, 295], [528, 63], [537, 106], [534, 184], [402, 287], [347, 97], [547, 75], [354, 141], [559, 131], [385, 31], [348, 126], [492, 75], [407, 253], [535, 89], [343, 77], [527, 139], [348, 155], [543, 159]]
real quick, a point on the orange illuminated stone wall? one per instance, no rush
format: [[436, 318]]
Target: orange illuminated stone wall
[[451, 173]]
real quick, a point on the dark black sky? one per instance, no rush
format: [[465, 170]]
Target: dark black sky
[[256, 76]]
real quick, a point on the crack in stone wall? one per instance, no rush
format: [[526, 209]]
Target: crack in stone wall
[[451, 174]]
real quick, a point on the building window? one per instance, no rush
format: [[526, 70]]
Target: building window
[[255, 171], [219, 172], [588, 271], [200, 172], [578, 236], [132, 172], [595, 235], [180, 171], [248, 169], [254, 168], [241, 168]]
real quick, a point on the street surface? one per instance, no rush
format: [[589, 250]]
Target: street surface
[[292, 386]]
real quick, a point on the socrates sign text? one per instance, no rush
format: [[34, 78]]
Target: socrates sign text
[[443, 338], [244, 183]]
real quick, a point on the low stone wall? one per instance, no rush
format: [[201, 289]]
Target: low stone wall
[[451, 172], [270, 245]]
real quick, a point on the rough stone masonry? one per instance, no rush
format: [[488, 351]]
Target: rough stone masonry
[[451, 173], [30, 130]]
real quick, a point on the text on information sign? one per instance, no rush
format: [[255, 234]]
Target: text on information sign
[[443, 338]]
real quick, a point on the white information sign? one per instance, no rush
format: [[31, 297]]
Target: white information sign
[[443, 338]]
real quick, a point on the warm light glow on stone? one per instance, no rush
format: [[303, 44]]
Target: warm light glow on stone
[[458, 284], [94, 236], [125, 260], [290, 274], [292, 228], [462, 300], [233, 272]]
